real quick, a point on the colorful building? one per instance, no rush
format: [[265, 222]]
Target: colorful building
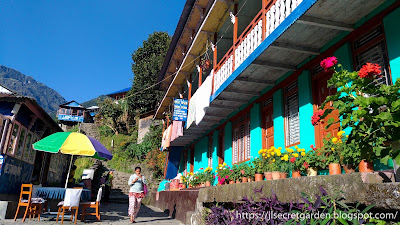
[[22, 123], [119, 95], [264, 79], [72, 113]]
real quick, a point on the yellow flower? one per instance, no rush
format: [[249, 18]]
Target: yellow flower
[[272, 153], [224, 164], [259, 152], [263, 154], [281, 158], [333, 149], [295, 155], [340, 134], [289, 150], [334, 140], [273, 160], [286, 157], [303, 153], [268, 155], [347, 136], [296, 147], [278, 153], [279, 148]]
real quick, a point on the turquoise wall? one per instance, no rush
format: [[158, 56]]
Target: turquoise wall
[[307, 134], [181, 163], [215, 149], [345, 58], [255, 130], [228, 144], [392, 33], [279, 133], [200, 154]]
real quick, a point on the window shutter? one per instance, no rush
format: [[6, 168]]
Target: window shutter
[[376, 54], [293, 122], [248, 141], [235, 146], [209, 153]]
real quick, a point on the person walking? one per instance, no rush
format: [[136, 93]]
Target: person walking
[[108, 185], [136, 193]]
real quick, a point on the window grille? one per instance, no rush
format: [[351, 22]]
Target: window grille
[[210, 150], [241, 139], [365, 39]]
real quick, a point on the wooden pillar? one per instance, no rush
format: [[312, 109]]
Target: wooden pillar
[[235, 34], [190, 88], [264, 20], [200, 76], [215, 55]]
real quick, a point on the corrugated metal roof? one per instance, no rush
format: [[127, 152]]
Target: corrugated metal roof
[[120, 91]]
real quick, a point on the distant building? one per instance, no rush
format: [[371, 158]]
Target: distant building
[[119, 95], [71, 113], [93, 110], [22, 123]]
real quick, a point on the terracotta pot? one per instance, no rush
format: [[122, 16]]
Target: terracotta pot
[[238, 181], [244, 179], [183, 186], [335, 169], [276, 175], [208, 183], [312, 172], [296, 173], [283, 175], [249, 179], [219, 184], [190, 186], [365, 166], [268, 175], [231, 182], [349, 168], [258, 177]]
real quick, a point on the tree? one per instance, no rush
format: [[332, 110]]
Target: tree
[[147, 62], [110, 113]]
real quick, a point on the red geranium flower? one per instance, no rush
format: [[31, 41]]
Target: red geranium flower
[[293, 159], [370, 70], [328, 63], [305, 164], [316, 117]]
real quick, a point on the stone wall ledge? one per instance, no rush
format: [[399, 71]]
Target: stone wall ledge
[[365, 188]]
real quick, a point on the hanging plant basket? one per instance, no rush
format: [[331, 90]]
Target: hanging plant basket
[[205, 63]]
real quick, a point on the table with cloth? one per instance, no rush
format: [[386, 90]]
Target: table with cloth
[[59, 193]]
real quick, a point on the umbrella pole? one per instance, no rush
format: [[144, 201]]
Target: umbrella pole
[[69, 170]]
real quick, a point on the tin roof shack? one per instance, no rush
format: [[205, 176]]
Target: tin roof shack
[[23, 122], [71, 113]]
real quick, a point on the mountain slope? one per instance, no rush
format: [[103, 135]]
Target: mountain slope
[[48, 98]]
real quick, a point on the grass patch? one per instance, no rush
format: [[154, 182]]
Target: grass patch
[[81, 164]]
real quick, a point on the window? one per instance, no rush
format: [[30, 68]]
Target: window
[[210, 150], [371, 48], [292, 120], [13, 139], [241, 139]]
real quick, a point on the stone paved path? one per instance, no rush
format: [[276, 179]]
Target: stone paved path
[[111, 213]]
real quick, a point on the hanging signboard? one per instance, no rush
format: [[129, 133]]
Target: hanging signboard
[[180, 109]]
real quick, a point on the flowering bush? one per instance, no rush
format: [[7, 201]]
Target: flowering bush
[[209, 175], [316, 117], [223, 173], [370, 108], [312, 159]]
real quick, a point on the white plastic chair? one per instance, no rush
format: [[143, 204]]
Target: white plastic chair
[[70, 203]]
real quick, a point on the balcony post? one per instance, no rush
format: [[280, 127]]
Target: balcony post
[[214, 61], [190, 88], [235, 34], [264, 19], [200, 76]]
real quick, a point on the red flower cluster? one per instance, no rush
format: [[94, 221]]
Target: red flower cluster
[[328, 63], [293, 159], [313, 148], [306, 165], [316, 117], [370, 70]]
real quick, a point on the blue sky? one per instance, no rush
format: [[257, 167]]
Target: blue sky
[[80, 48]]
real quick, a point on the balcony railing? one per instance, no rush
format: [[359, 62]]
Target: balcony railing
[[273, 13]]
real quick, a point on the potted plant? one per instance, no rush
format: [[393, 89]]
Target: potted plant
[[375, 123], [209, 176], [332, 148], [350, 156], [185, 181], [313, 161], [251, 172], [243, 171], [258, 165], [235, 173], [297, 161], [223, 173]]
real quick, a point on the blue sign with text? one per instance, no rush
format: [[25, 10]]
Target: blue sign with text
[[70, 118], [180, 109]]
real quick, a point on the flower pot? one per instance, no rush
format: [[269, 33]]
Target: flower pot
[[258, 177], [231, 182], [349, 168], [268, 175], [190, 186], [296, 173], [183, 186], [202, 185], [283, 175], [334, 169], [312, 172], [276, 175], [365, 166], [244, 179], [208, 183], [249, 179], [238, 181]]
